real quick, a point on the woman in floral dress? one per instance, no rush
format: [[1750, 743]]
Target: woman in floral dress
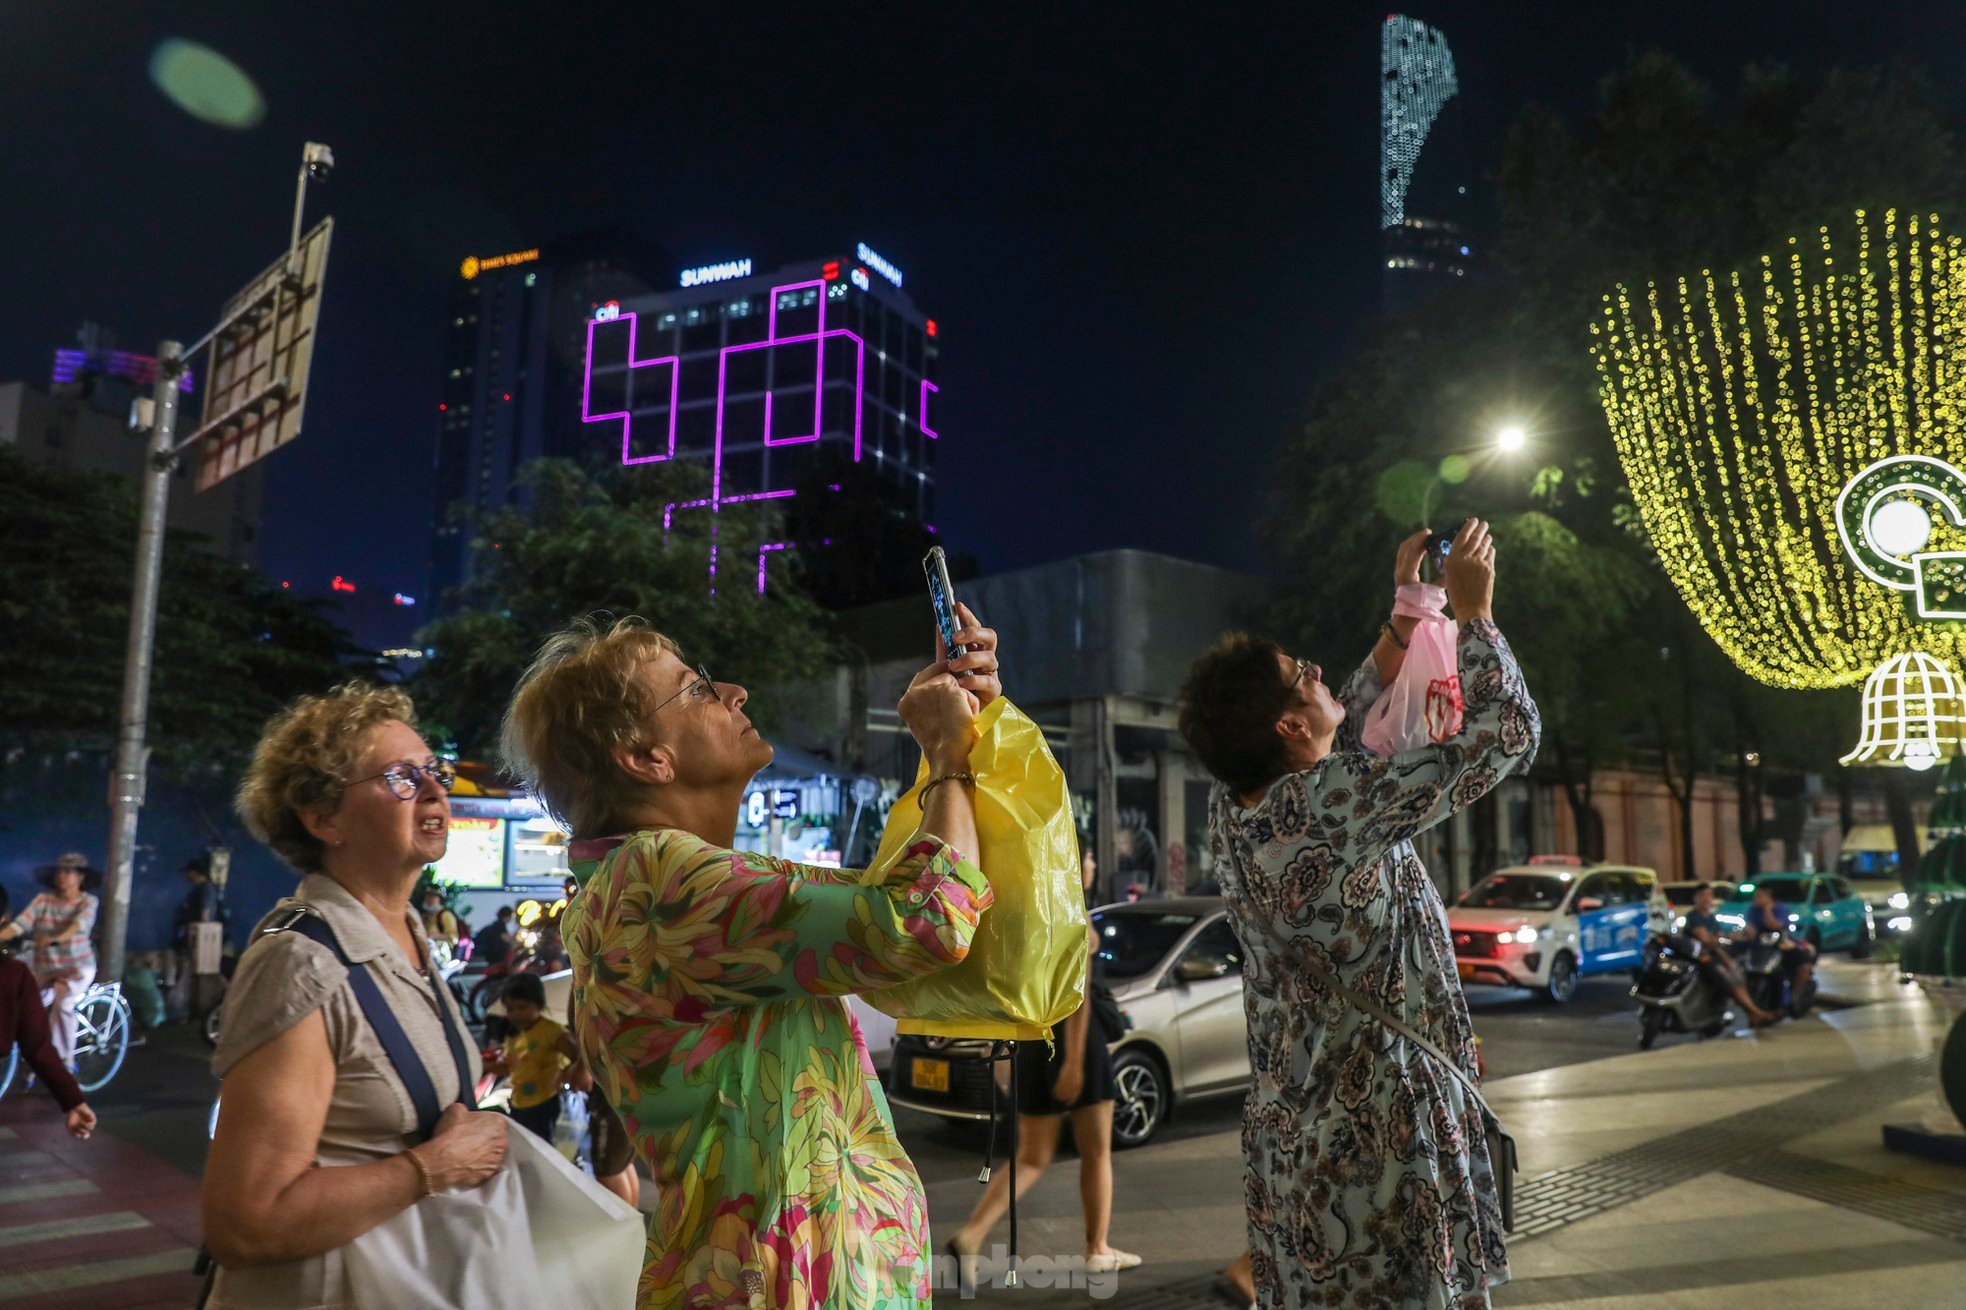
[[710, 983], [1369, 1180]]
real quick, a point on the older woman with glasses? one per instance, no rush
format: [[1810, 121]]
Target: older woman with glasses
[[329, 1123]]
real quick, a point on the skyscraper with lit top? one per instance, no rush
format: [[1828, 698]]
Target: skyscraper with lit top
[[1423, 173]]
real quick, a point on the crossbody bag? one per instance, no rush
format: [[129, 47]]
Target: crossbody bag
[[1501, 1146]]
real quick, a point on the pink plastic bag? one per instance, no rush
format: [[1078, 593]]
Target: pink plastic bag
[[1423, 706]]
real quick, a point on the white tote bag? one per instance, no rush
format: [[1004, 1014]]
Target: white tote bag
[[539, 1233]]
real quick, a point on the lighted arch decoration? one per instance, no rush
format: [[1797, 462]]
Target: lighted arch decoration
[[1746, 406]]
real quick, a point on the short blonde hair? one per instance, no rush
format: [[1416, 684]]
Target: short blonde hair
[[582, 699], [305, 758]]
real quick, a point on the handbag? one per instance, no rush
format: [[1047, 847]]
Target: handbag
[[1106, 1013], [1501, 1146]]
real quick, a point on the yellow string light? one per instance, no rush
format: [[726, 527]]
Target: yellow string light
[[1741, 406]]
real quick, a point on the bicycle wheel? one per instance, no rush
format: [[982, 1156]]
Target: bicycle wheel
[[7, 1070], [102, 1036]]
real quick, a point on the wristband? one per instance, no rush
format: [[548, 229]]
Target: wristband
[[423, 1171], [1392, 635], [1419, 600], [968, 779]]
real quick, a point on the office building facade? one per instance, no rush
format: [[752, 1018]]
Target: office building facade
[[515, 342], [1423, 173], [768, 379]]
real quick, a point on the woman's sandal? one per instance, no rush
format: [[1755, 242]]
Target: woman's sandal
[[1112, 1262]]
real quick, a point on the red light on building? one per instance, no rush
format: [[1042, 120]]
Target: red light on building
[[931, 327], [508, 395], [285, 585], [441, 407], [341, 584], [832, 270]]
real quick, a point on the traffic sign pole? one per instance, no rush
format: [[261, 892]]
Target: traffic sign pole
[[127, 783]]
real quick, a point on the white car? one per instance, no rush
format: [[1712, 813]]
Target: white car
[[1545, 924]]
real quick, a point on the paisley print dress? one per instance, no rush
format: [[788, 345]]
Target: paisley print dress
[[709, 992], [1369, 1182]]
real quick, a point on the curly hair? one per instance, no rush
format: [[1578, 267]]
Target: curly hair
[[582, 699], [308, 753], [1229, 707]]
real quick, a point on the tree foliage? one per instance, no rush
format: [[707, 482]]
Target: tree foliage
[[1664, 178], [231, 647], [585, 543]]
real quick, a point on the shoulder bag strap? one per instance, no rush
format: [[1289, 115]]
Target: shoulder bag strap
[[388, 1029], [1387, 1020], [466, 1092]]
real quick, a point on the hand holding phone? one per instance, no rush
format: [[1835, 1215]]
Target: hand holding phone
[[942, 598]]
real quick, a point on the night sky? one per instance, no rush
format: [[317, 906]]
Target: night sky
[[1145, 230]]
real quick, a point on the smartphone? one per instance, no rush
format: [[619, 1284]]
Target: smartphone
[[1441, 544], [942, 597]]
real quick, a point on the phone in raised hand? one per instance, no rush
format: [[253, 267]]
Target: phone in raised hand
[[942, 598]]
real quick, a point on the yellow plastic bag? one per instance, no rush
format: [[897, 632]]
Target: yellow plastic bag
[[1026, 967]]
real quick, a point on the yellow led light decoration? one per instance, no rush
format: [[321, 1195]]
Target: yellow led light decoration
[[1914, 714], [1744, 405]]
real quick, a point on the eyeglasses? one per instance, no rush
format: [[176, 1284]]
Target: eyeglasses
[[1303, 671], [404, 779], [704, 685]]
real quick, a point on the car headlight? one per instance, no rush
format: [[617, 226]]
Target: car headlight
[[1526, 934], [1899, 901], [1678, 922], [1506, 938], [1900, 924]]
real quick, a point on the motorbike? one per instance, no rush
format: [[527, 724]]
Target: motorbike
[[1765, 963], [1675, 994]]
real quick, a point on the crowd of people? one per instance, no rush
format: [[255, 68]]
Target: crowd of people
[[708, 1007]]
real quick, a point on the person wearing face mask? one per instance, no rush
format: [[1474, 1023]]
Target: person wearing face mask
[[320, 1134], [1370, 1180], [710, 983]]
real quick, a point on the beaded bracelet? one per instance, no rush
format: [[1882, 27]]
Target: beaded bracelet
[[1393, 633], [423, 1171], [968, 779]]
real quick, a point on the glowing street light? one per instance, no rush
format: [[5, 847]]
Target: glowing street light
[[1511, 438]]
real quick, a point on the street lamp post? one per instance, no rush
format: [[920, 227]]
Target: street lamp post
[[161, 455]]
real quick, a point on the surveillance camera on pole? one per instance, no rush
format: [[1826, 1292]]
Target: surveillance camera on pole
[[255, 387]]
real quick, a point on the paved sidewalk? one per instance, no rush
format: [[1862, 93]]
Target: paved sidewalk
[[1744, 1171], [95, 1225]]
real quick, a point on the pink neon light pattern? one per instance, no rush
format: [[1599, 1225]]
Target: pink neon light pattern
[[921, 414], [717, 500]]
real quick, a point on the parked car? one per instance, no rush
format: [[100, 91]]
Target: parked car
[[1890, 904], [1679, 895], [1175, 968], [1823, 908], [1545, 924]]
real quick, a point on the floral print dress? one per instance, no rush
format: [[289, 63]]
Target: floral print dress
[[708, 995], [1369, 1182]]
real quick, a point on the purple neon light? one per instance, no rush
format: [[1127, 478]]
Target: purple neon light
[[921, 415], [140, 369], [627, 417], [764, 551], [717, 500]]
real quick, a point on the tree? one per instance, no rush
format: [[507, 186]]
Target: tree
[[1664, 178], [231, 647], [594, 543]]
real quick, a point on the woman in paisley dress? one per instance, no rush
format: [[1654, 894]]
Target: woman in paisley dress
[[710, 983], [1369, 1181]]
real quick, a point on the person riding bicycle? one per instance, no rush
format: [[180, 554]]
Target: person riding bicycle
[[59, 921], [1715, 963], [1767, 915]]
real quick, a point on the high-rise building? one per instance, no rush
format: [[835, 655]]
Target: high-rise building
[[1423, 175], [515, 350], [766, 377]]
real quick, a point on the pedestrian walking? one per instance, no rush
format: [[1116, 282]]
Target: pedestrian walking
[[24, 1025], [319, 1134], [1071, 1076], [536, 1055], [1370, 1182], [59, 922], [710, 983]]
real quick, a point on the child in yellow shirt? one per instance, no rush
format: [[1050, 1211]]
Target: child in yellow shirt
[[536, 1055]]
